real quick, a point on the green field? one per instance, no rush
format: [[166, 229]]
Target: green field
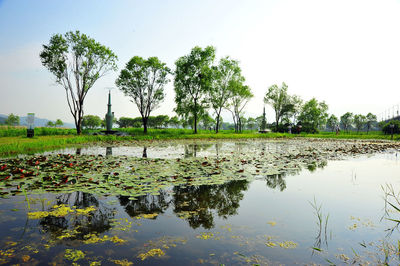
[[13, 140]]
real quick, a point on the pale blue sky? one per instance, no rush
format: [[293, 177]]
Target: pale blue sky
[[345, 52]]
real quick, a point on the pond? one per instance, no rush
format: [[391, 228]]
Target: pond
[[252, 202]]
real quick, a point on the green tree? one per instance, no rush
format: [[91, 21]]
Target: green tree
[[313, 115], [144, 81], [225, 75], [359, 122], [251, 123], [161, 121], [91, 121], [174, 122], [241, 96], [346, 121], [207, 121], [124, 122], [332, 122], [297, 105], [50, 124], [279, 100], [12, 120], [193, 76], [370, 121], [59, 123], [77, 62]]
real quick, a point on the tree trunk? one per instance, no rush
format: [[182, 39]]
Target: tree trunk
[[144, 121], [217, 128], [78, 124], [195, 122]]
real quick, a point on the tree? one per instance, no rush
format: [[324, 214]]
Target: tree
[[125, 122], [241, 96], [77, 62], [297, 105], [225, 74], [144, 81], [332, 122], [91, 121], [370, 120], [193, 76], [207, 121], [50, 124], [313, 115], [346, 120], [59, 123], [279, 99], [12, 120], [174, 122], [359, 122], [161, 121], [251, 123]]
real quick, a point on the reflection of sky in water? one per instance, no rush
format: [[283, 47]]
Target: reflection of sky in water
[[185, 148], [343, 189]]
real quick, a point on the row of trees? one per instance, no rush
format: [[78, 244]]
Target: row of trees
[[200, 85], [14, 120], [349, 121], [312, 115], [78, 61]]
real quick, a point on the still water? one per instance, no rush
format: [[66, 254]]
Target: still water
[[336, 213]]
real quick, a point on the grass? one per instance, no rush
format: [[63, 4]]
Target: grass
[[56, 138], [19, 131]]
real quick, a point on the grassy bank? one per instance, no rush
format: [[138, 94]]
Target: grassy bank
[[22, 145], [20, 131]]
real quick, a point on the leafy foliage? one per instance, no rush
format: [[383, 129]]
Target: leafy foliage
[[193, 78], [91, 121], [313, 115], [387, 129], [12, 120], [332, 122], [359, 121], [241, 96], [346, 121], [226, 74], [77, 62], [144, 81], [280, 101]]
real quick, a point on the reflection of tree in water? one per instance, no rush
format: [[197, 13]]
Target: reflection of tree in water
[[204, 201], [147, 204], [276, 181], [191, 150], [314, 165], [97, 222]]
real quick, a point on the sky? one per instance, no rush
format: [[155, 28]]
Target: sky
[[343, 52]]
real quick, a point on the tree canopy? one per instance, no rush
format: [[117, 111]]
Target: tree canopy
[[144, 81], [226, 73], [313, 115], [241, 96], [346, 121], [91, 121], [280, 101], [77, 62], [193, 77], [12, 120]]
